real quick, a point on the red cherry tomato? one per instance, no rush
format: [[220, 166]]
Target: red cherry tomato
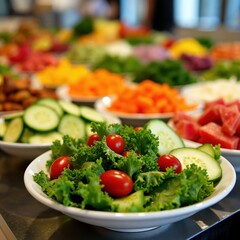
[[126, 153], [167, 160], [58, 166], [138, 128], [94, 137], [116, 143], [116, 183]]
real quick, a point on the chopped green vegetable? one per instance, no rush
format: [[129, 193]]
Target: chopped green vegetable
[[168, 71]]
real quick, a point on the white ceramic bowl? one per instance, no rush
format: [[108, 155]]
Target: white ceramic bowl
[[24, 150], [128, 222], [135, 120]]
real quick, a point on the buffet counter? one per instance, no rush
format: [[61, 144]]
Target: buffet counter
[[29, 219]]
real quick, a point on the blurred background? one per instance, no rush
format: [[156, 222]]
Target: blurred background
[[212, 18]]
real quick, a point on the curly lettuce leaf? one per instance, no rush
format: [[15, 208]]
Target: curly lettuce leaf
[[93, 196], [195, 186], [67, 147], [170, 191], [150, 182], [59, 189], [169, 197], [130, 164], [141, 142]]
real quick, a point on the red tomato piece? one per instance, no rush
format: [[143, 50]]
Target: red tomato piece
[[94, 137], [59, 165], [138, 128], [167, 160], [126, 153], [116, 143], [116, 183]]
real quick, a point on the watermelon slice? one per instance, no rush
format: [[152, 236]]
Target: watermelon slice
[[180, 116], [188, 129], [230, 116], [211, 114], [235, 102], [219, 101], [212, 133]]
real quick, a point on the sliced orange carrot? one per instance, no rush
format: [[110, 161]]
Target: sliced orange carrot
[[97, 84], [150, 97]]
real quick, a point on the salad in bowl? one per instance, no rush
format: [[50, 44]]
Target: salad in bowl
[[121, 173]]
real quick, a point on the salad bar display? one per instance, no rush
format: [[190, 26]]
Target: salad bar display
[[123, 129]]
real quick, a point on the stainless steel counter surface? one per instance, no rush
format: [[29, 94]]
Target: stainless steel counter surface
[[29, 219]]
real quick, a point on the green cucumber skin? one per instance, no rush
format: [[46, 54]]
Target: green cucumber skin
[[188, 156], [70, 108], [168, 138], [72, 125], [45, 138], [14, 130], [207, 148], [41, 118], [91, 115], [125, 203], [51, 103]]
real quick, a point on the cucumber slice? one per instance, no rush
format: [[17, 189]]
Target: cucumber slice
[[72, 125], [213, 151], [10, 116], [52, 103], [70, 107], [91, 114], [167, 137], [133, 202], [188, 155], [42, 138], [3, 127], [41, 118], [27, 133], [14, 130]]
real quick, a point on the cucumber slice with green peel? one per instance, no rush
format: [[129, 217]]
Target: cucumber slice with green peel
[[214, 151], [133, 202], [188, 156], [14, 130], [52, 103], [167, 137], [91, 115], [27, 133], [72, 125], [3, 127], [44, 138], [70, 108], [10, 116], [41, 118]]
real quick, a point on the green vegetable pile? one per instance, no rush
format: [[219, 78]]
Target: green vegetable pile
[[117, 64], [83, 27], [139, 40], [87, 54], [167, 71], [81, 186], [223, 69]]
